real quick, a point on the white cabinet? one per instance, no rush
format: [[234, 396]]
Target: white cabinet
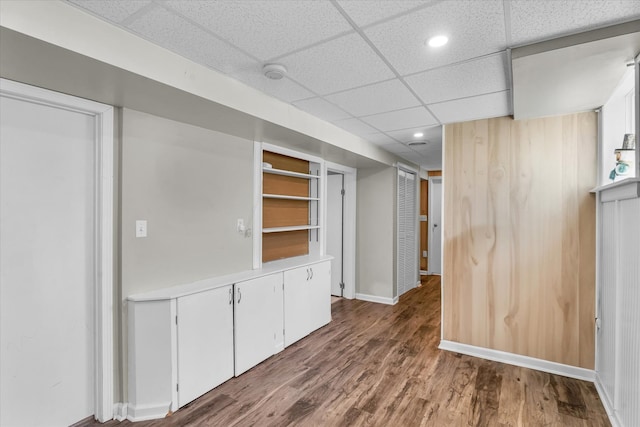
[[258, 321], [307, 300], [204, 342], [186, 340]]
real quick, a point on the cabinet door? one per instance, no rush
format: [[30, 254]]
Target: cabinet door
[[205, 342], [258, 320], [320, 295], [296, 304]]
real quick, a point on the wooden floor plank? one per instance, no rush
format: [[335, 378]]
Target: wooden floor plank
[[379, 365]]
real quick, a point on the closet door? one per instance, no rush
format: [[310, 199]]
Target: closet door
[[407, 232]]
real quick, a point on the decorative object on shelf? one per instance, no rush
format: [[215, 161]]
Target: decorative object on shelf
[[625, 159], [266, 165]]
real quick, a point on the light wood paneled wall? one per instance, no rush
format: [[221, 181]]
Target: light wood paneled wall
[[519, 230]]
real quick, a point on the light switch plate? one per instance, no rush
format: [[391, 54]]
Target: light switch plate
[[141, 228]]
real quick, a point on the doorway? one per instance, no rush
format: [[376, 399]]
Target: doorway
[[56, 196], [340, 220], [435, 225]]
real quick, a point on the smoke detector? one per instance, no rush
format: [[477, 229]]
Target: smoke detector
[[274, 71]]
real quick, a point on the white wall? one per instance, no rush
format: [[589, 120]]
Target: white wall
[[190, 184], [616, 121], [376, 242]]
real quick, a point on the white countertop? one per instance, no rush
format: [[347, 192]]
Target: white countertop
[[217, 282]]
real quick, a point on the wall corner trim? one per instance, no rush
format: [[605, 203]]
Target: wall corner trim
[[148, 412], [119, 411], [607, 402], [519, 360], [375, 298]]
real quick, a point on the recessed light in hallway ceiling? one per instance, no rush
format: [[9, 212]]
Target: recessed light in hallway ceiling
[[438, 41]]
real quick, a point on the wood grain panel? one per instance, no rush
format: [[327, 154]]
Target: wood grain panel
[[424, 235], [280, 161], [520, 236], [284, 213], [284, 245], [287, 185], [434, 173]]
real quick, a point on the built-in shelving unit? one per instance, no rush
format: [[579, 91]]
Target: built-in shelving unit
[[289, 204]]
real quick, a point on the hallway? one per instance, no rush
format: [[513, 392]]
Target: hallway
[[379, 365]]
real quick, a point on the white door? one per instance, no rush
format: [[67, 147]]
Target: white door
[[47, 270], [335, 185], [435, 225], [205, 342], [407, 249], [258, 320]]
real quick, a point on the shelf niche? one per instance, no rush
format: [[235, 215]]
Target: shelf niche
[[284, 180]]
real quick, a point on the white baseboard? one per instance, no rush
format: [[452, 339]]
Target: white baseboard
[[519, 360], [148, 412], [423, 272], [120, 411], [607, 403], [375, 298]]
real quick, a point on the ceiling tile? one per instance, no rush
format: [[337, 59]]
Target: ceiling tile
[[397, 148], [284, 89], [367, 12], [263, 28], [474, 28], [336, 65], [188, 40], [355, 126], [377, 98], [432, 134], [378, 139], [533, 21], [321, 108], [401, 119], [477, 107], [476, 77], [116, 11]]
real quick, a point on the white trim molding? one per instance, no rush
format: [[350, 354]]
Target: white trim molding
[[103, 279], [377, 299], [519, 360], [148, 412], [120, 411], [607, 403]]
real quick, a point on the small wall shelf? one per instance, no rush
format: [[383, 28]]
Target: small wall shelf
[[289, 173], [285, 197], [292, 228]]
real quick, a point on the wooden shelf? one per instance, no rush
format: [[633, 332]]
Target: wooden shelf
[[285, 197], [289, 173], [291, 228]]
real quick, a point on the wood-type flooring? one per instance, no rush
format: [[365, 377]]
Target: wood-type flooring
[[379, 365]]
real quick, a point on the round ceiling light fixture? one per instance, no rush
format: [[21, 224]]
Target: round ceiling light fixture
[[438, 41], [418, 135], [274, 71]]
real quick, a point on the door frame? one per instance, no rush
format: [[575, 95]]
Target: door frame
[[349, 221], [430, 216], [103, 228]]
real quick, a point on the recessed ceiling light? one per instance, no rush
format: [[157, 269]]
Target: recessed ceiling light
[[438, 41], [418, 135]]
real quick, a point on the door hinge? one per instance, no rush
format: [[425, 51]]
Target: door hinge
[[425, 254], [176, 320], [177, 387], [342, 192]]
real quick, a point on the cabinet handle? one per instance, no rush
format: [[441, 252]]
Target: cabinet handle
[[239, 296], [308, 274], [311, 273], [230, 295]]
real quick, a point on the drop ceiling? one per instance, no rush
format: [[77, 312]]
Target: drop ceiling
[[363, 64]]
